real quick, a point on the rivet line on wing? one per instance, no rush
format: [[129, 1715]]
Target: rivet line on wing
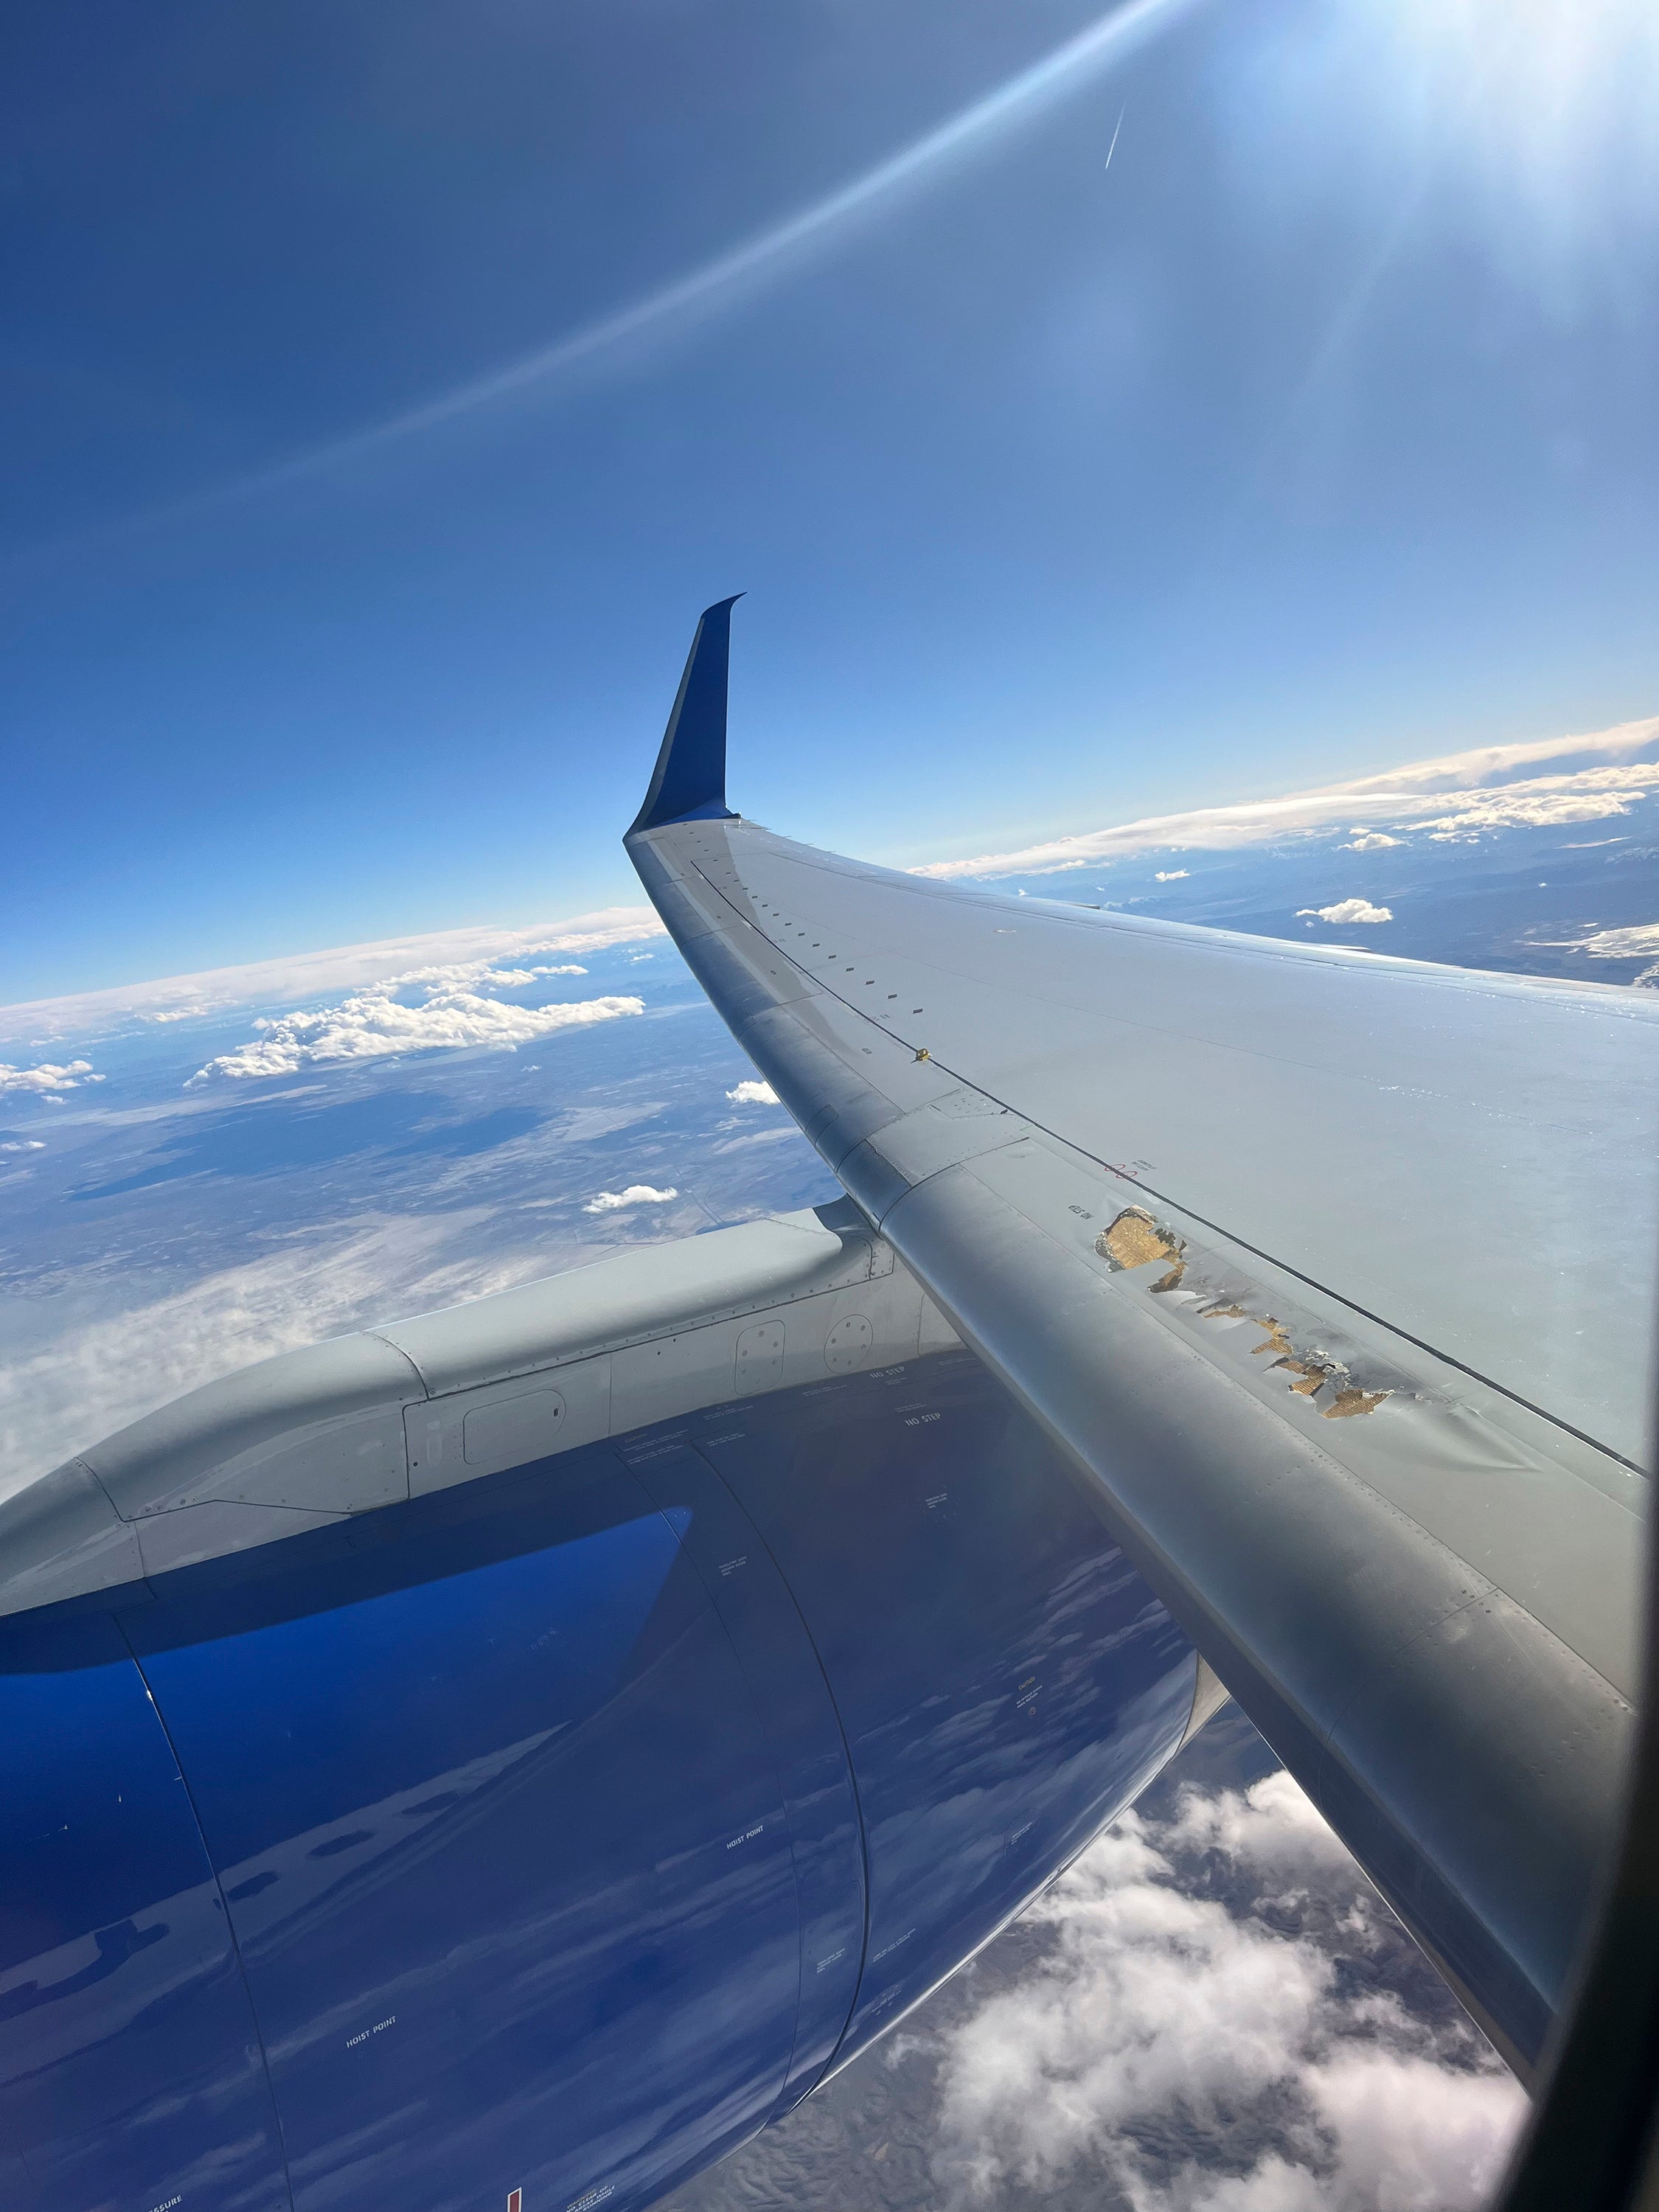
[[778, 947]]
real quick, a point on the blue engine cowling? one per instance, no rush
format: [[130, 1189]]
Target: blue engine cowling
[[555, 1831]]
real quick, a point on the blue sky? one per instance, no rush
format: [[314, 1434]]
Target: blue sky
[[1313, 435]]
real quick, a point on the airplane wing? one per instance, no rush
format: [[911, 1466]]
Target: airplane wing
[[1334, 1273], [545, 1740]]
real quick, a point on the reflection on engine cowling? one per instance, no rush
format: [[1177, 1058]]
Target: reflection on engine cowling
[[555, 1831]]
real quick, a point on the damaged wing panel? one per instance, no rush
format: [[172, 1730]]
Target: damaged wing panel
[[1135, 1239]]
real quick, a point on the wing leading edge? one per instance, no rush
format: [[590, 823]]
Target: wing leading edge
[[1334, 1272]]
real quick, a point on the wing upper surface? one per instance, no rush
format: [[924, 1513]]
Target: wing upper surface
[[1337, 1271], [1468, 1158]]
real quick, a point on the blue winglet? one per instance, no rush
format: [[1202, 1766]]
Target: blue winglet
[[689, 782]]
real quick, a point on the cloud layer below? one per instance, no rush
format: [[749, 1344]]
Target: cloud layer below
[[1457, 797], [1210, 2030]]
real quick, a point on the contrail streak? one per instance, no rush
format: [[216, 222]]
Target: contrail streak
[[767, 255], [1112, 148], [1019, 101]]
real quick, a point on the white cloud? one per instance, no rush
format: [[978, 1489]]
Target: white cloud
[[753, 1094], [1370, 840], [1271, 1827], [637, 1193], [1636, 943], [1192, 2033], [1346, 910], [1546, 802], [49, 1077], [1415, 795], [374, 1025], [26, 1144], [1172, 875], [302, 975]]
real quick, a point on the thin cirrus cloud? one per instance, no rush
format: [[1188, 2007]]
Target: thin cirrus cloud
[[467, 974], [1209, 2031], [95, 1374], [374, 1025], [443, 955], [637, 1193], [1454, 799]]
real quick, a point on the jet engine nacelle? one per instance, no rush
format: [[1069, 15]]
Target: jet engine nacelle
[[555, 1823]]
